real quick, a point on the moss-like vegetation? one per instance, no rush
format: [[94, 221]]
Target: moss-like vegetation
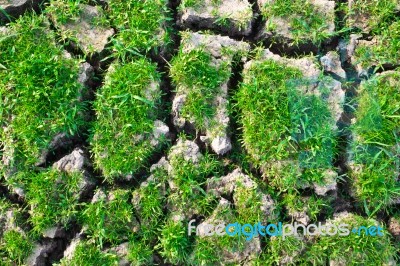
[[39, 92], [375, 144], [126, 108]]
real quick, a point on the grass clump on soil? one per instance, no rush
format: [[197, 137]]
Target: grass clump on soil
[[149, 201], [189, 179], [249, 208], [207, 250], [383, 50], [126, 109], [174, 242], [141, 25], [53, 198], [15, 247], [375, 15], [80, 23], [186, 198], [88, 254], [375, 145], [353, 249], [313, 205], [39, 92], [224, 18], [195, 74], [64, 11], [306, 21], [287, 133], [109, 219]]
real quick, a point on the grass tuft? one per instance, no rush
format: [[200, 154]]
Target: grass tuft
[[126, 108]]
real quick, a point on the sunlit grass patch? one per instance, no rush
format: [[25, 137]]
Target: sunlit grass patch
[[300, 21], [53, 198], [86, 26], [15, 247], [371, 15], [195, 74], [189, 180], [86, 254], [110, 218], [141, 25], [15, 244], [126, 110], [383, 50], [288, 134], [365, 249], [375, 148], [39, 92]]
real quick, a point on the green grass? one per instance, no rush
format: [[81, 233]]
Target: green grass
[[379, 14], [126, 108], [320, 250], [374, 147], [66, 10], [352, 249], [148, 201], [280, 123], [149, 206], [53, 199], [15, 244], [226, 18], [190, 179], [15, 247], [174, 242], [278, 248], [313, 206], [87, 254], [158, 233], [68, 17], [194, 75], [248, 205], [140, 253], [110, 220], [382, 52], [39, 92], [209, 249], [141, 25], [306, 22]]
